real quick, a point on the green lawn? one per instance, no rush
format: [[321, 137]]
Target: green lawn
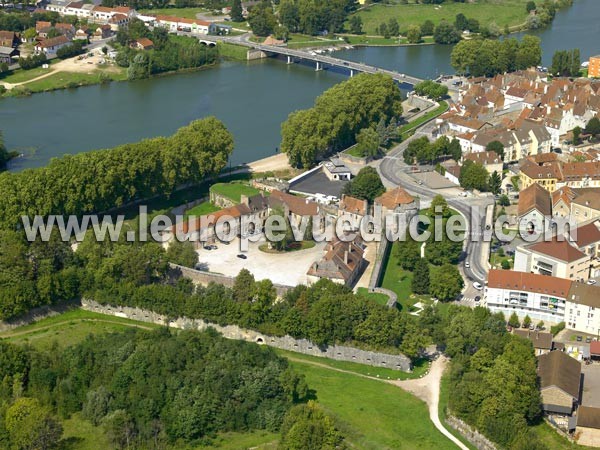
[[69, 328], [201, 209], [20, 75], [398, 280], [380, 40], [382, 299], [234, 191], [555, 441], [502, 12], [232, 51], [62, 80], [371, 414], [406, 128]]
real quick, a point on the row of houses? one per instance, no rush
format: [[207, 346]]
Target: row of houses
[[552, 174], [524, 111], [119, 16], [546, 298]]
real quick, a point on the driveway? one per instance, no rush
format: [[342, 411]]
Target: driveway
[[288, 268]]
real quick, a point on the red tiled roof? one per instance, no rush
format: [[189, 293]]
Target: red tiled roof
[[58, 40], [395, 197], [560, 250], [529, 282], [535, 197]]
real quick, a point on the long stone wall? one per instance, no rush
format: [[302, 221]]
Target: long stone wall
[[204, 278], [470, 434], [337, 352]]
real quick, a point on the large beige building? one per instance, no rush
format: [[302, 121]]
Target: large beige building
[[582, 310], [555, 258]]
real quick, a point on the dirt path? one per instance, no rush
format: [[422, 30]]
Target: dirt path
[[58, 324], [428, 390]]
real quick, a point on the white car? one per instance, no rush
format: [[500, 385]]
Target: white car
[[467, 264], [477, 286], [591, 281]]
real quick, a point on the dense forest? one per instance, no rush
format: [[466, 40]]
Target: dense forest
[[104, 179], [150, 389], [493, 377], [337, 117]]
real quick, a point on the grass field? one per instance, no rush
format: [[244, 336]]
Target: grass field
[[20, 75], [201, 209], [380, 40], [62, 80], [232, 51], [502, 12], [399, 281], [69, 328], [371, 414], [381, 299], [408, 127], [233, 191]]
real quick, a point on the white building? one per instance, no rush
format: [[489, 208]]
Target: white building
[[581, 314], [554, 258], [539, 296]]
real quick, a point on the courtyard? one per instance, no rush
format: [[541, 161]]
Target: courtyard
[[286, 268]]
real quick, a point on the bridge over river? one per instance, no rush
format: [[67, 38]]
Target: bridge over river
[[321, 61]]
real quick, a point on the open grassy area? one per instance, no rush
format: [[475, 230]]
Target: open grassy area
[[62, 80], [399, 281], [69, 328], [232, 51], [380, 40], [373, 415], [233, 191], [20, 75], [201, 209], [382, 299], [502, 12]]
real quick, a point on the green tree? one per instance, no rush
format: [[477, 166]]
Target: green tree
[[446, 282], [182, 253], [413, 34], [495, 183], [383, 30], [393, 27], [529, 53], [576, 135], [407, 252], [473, 176], [420, 281], [366, 185], [367, 142], [236, 11], [439, 206], [261, 19], [592, 127], [514, 321], [289, 14], [308, 427], [445, 33], [504, 200], [427, 28], [505, 265], [30, 426], [496, 147], [530, 6], [526, 321], [356, 25], [460, 22]]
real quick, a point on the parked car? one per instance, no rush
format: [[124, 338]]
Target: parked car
[[579, 338], [467, 264], [591, 282], [242, 256], [477, 285], [588, 340], [477, 299]]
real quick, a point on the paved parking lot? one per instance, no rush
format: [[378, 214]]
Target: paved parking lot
[[433, 180], [591, 384], [289, 268]]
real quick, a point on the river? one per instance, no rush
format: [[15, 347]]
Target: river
[[252, 99]]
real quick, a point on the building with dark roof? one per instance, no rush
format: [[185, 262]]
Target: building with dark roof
[[560, 382], [342, 263], [542, 341]]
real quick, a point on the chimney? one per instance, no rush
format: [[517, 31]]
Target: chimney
[[346, 257], [548, 109]]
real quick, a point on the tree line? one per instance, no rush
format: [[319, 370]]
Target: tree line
[[333, 123], [148, 389], [493, 374], [487, 57], [105, 179]]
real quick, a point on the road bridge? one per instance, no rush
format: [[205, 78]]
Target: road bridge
[[321, 61]]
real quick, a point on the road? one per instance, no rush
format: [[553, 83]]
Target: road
[[318, 58], [395, 172]]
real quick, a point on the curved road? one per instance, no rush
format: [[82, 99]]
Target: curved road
[[395, 171]]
